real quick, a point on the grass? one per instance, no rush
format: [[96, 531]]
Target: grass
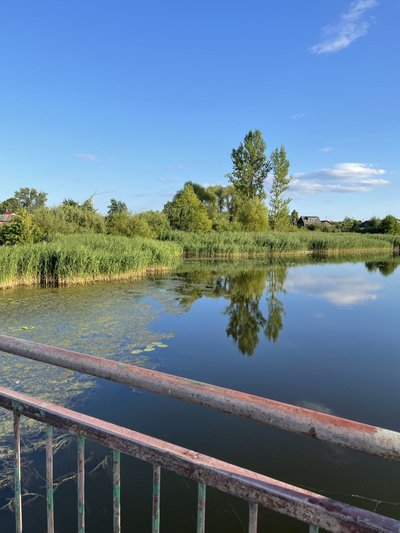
[[73, 259], [240, 244]]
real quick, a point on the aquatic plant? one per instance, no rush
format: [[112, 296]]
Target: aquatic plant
[[72, 259], [230, 244]]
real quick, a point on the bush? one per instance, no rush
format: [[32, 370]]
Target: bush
[[124, 223], [21, 230], [252, 215], [158, 223], [185, 212], [68, 219]]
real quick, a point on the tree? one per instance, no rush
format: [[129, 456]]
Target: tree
[[252, 215], [349, 224], [207, 197], [250, 166], [21, 230], [186, 212], [116, 206], [11, 204], [124, 223], [278, 206], [294, 217], [70, 202], [158, 223], [374, 225], [390, 224], [30, 199]]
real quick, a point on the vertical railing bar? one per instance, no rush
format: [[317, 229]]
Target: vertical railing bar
[[253, 517], [81, 484], [156, 499], [201, 507], [17, 473], [313, 529], [49, 480], [116, 491]]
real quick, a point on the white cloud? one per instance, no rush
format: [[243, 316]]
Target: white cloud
[[87, 157], [174, 168], [352, 25], [298, 116], [343, 177], [327, 149]]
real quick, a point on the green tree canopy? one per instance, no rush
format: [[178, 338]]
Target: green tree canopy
[[21, 230], [294, 217], [30, 199], [116, 206], [10, 204], [252, 215], [250, 166], [390, 224], [70, 202], [279, 217], [186, 212]]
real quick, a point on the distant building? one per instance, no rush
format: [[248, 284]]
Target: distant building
[[303, 222], [6, 217], [364, 225], [326, 223]]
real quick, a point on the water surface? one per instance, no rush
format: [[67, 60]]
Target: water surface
[[321, 335]]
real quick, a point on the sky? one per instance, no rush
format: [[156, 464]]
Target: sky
[[129, 100]]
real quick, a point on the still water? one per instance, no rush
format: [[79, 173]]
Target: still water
[[321, 334]]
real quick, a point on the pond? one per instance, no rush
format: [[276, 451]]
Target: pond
[[322, 334]]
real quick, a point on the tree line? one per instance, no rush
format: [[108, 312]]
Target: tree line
[[240, 205]]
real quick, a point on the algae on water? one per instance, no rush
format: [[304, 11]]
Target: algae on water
[[108, 320]]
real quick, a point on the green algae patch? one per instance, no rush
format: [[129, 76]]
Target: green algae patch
[[114, 321]]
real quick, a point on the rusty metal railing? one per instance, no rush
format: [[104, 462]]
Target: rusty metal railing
[[311, 508]]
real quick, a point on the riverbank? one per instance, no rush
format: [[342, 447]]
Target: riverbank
[[239, 244], [80, 259], [83, 259]]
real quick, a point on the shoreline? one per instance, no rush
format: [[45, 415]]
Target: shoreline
[[317, 253], [163, 269]]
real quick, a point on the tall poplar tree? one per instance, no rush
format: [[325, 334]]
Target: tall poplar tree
[[250, 167], [279, 217]]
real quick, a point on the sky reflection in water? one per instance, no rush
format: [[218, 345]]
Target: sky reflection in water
[[321, 335]]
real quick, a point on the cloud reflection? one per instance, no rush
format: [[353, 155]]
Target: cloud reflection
[[342, 291]]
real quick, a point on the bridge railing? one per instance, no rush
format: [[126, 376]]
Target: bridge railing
[[257, 489]]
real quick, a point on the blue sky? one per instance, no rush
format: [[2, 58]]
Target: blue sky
[[130, 100]]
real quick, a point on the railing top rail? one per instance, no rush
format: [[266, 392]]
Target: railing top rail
[[287, 499], [363, 437]]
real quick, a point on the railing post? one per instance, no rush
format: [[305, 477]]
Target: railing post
[[253, 517], [201, 508], [81, 484], [116, 491], [156, 499], [49, 480], [17, 472]]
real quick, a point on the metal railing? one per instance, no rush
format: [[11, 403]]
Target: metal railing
[[316, 510]]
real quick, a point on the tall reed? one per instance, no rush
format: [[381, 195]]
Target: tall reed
[[230, 244], [71, 259]]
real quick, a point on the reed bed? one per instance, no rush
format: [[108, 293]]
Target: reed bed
[[232, 244], [78, 259], [73, 259]]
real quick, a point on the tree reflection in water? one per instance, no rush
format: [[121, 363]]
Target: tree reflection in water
[[244, 288], [385, 267]]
